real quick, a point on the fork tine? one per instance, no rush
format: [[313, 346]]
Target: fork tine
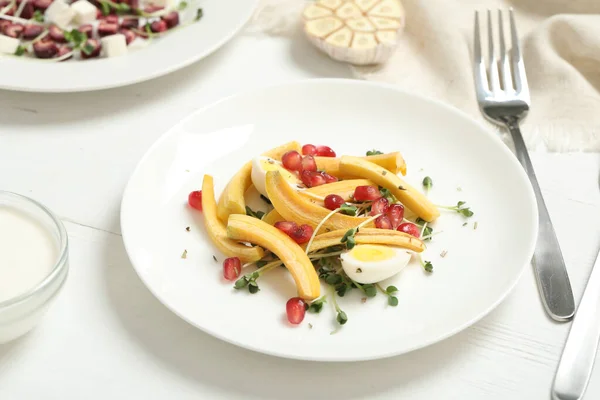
[[521, 86], [494, 77], [481, 83], [504, 59]]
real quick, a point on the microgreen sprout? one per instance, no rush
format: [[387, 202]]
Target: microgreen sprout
[[427, 183], [255, 214], [389, 292], [266, 199], [182, 5], [20, 50], [317, 305], [341, 316], [373, 152], [199, 14], [249, 280], [38, 16], [349, 209], [348, 237], [464, 211], [388, 195], [427, 265]]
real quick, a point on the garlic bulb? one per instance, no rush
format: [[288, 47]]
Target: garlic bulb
[[359, 32]]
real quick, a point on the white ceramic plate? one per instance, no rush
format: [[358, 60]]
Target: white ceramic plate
[[465, 161], [221, 21]]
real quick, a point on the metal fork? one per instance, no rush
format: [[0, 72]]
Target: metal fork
[[504, 100]]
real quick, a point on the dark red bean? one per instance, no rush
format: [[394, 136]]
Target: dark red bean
[[88, 29], [106, 29], [129, 35], [158, 26], [64, 49], [42, 5], [57, 34], [45, 49], [129, 23], [97, 47], [172, 19], [111, 19], [13, 30], [32, 31]]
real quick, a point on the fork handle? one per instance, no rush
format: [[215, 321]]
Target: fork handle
[[550, 270]]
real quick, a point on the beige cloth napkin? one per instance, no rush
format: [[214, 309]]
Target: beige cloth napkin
[[560, 42]]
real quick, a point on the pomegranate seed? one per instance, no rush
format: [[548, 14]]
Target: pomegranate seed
[[380, 206], [309, 150], [158, 26], [287, 227], [4, 3], [333, 201], [232, 267], [32, 31], [129, 35], [312, 178], [325, 151], [395, 213], [129, 23], [99, 14], [292, 160], [13, 30], [383, 222], [195, 199], [88, 29], [3, 24], [64, 49], [11, 12], [42, 5], [45, 49], [366, 193], [111, 19], [309, 163], [94, 53], [172, 19], [302, 234], [409, 228], [106, 29], [295, 308], [329, 178], [57, 34]]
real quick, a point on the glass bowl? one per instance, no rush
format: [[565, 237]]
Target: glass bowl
[[21, 312]]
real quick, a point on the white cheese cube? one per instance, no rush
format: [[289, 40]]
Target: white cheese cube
[[85, 12], [114, 45], [8, 45], [59, 13]]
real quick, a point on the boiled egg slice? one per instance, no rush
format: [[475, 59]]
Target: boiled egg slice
[[370, 263], [261, 165]]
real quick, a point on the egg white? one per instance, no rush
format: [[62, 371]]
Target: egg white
[[365, 269], [261, 165]]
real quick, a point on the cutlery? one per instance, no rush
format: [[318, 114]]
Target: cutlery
[[504, 100]]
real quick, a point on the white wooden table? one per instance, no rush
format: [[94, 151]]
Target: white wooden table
[[107, 337]]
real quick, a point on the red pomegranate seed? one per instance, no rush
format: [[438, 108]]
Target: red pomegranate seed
[[57, 34], [129, 35], [309, 163], [409, 228], [312, 178], [45, 49], [88, 29], [292, 160], [329, 178], [32, 31], [111, 19], [129, 23], [195, 199], [42, 5], [295, 308], [380, 206], [309, 150], [94, 53], [107, 28], [99, 14], [383, 222], [27, 11], [4, 3], [172, 19], [232, 267], [287, 227], [11, 11], [158, 26], [395, 213], [4, 23], [13, 30], [366, 193], [325, 151], [64, 49], [302, 234], [333, 201], [152, 9]]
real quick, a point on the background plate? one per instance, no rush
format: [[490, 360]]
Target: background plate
[[465, 161], [221, 21]]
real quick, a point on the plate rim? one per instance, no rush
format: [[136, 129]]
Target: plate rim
[[147, 77], [342, 81]]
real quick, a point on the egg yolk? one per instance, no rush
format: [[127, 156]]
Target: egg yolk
[[271, 165], [367, 252]]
